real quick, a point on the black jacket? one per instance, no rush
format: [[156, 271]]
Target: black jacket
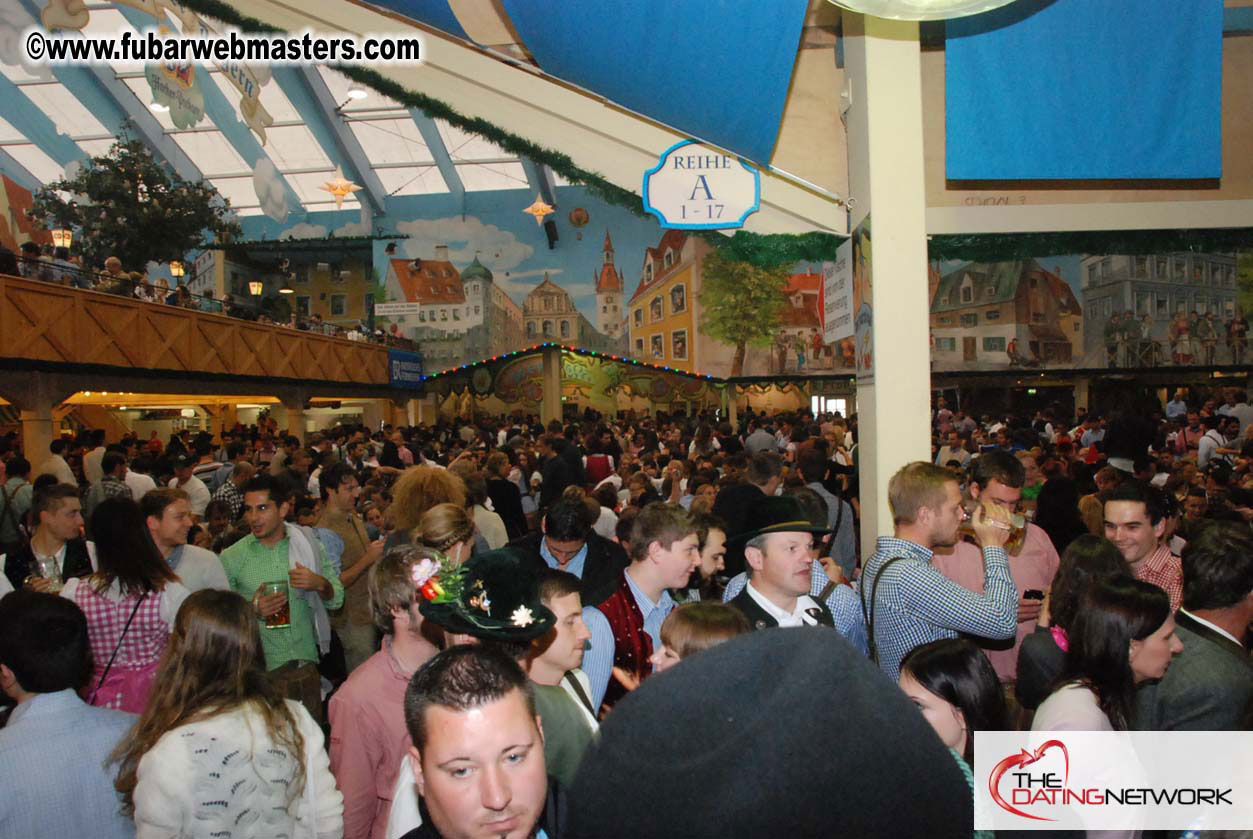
[[507, 500], [21, 562], [602, 570], [759, 618], [552, 820], [556, 475], [732, 505]]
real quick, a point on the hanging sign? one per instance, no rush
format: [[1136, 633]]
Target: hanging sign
[[405, 368], [384, 310], [837, 295], [175, 85], [700, 187]]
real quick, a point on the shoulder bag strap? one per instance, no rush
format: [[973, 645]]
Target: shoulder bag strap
[[8, 513], [120, 639], [868, 614], [826, 591], [582, 694]]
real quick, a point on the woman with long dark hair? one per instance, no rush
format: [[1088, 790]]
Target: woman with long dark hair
[[218, 752], [1057, 512], [1042, 656], [130, 603], [1122, 634], [956, 689]]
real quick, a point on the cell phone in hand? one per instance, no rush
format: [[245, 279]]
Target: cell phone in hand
[[1033, 594]]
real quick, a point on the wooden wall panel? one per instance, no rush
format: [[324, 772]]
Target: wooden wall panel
[[46, 322]]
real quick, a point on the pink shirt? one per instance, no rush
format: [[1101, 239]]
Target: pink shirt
[[1164, 570], [1033, 568], [368, 740]]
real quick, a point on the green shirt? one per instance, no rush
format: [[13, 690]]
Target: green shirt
[[567, 732], [248, 564]]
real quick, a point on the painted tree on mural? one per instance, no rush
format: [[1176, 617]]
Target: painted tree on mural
[[1244, 280], [126, 204], [741, 304]]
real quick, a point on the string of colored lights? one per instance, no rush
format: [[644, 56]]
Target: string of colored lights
[[621, 359]]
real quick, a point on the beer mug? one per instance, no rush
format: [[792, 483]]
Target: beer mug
[[282, 618], [1017, 528], [46, 568]]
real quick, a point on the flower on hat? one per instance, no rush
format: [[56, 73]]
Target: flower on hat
[[522, 616], [423, 571]]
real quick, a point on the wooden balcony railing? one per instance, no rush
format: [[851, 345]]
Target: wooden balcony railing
[[45, 322]]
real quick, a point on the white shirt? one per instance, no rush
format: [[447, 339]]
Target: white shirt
[[491, 525], [1218, 629], [1207, 446], [797, 617], [139, 483], [58, 558], [55, 465], [92, 470], [197, 493]]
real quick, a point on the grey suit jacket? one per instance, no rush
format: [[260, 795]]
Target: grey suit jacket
[[1208, 687]]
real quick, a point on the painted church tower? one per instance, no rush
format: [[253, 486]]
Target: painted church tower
[[609, 312]]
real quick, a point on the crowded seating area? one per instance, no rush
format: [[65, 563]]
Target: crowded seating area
[[341, 576], [58, 266]]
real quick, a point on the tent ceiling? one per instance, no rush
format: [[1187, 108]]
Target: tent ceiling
[[391, 142]]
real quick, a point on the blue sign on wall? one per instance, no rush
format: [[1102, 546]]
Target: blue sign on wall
[[405, 368]]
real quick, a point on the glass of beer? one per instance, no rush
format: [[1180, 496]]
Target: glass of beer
[[1017, 528], [282, 618]]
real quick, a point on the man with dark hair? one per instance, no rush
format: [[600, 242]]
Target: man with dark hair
[[1209, 686], [997, 478], [626, 626], [92, 469], [197, 492], [554, 469], [764, 476], [562, 691], [478, 749], [55, 745], [1135, 521], [56, 550], [167, 514], [112, 484], [281, 457], [16, 494], [813, 468], [355, 623], [276, 555], [56, 464], [567, 542]]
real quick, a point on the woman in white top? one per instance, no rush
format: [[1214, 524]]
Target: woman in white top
[[218, 752], [1122, 634]]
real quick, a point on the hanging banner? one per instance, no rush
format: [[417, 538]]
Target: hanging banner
[[175, 85], [700, 187], [837, 295], [405, 368], [57, 14]]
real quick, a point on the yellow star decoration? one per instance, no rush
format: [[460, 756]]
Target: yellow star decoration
[[539, 209], [340, 187]]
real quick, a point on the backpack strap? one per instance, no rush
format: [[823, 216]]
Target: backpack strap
[[868, 614]]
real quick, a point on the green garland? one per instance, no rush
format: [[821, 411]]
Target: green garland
[[772, 249], [1001, 247]]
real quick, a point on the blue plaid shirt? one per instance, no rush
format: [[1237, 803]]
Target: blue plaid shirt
[[916, 604], [842, 601]]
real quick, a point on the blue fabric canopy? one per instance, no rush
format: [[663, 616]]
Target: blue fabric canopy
[[1086, 89], [717, 70]]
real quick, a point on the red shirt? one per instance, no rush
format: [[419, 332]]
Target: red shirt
[[1164, 570]]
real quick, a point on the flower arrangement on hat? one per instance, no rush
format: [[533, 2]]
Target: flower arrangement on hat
[[491, 596]]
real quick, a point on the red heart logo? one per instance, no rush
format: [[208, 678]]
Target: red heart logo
[[1025, 758]]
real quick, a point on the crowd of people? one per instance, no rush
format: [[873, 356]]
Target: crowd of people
[[606, 627], [58, 266]]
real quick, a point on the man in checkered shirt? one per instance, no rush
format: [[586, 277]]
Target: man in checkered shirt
[[913, 603]]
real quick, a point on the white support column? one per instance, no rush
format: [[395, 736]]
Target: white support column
[[885, 152]]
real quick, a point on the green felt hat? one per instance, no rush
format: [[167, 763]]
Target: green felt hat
[[491, 596]]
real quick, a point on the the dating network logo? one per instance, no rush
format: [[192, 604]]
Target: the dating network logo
[[1026, 788]]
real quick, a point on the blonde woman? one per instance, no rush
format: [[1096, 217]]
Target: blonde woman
[[448, 529], [217, 752]]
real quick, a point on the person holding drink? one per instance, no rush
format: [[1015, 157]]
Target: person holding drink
[[907, 601], [283, 569], [57, 550], [997, 478]]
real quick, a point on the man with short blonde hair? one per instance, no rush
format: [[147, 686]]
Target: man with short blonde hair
[[907, 600]]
